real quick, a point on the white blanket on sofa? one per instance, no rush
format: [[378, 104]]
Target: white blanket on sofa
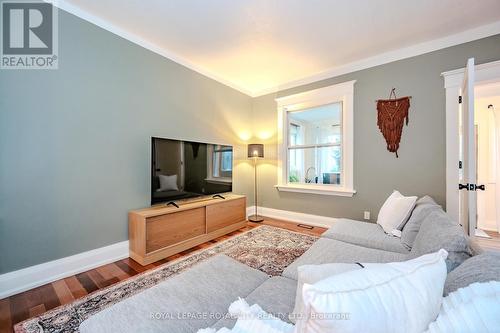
[[252, 319]]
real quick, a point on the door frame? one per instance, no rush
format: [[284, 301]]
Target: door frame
[[484, 73]]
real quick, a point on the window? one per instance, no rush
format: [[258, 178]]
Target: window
[[220, 163], [316, 141], [314, 145]]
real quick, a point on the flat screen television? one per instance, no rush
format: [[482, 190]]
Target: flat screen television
[[186, 169]]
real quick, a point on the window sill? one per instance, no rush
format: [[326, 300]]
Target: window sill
[[223, 181], [317, 189]]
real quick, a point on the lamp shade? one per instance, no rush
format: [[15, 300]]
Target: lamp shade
[[255, 150]]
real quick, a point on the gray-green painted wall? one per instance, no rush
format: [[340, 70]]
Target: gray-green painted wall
[[75, 142], [420, 168]]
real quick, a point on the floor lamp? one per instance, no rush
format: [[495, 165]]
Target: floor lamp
[[255, 151]]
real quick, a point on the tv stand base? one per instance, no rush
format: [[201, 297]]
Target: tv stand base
[[160, 231]]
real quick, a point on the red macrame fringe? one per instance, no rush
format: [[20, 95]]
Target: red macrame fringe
[[392, 114]]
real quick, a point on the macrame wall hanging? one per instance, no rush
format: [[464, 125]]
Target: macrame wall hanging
[[392, 113]]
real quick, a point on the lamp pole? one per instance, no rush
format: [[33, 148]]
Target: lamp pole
[[255, 151], [255, 184]]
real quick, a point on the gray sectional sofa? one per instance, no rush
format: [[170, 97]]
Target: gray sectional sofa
[[208, 288]]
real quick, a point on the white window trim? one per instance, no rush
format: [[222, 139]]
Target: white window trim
[[342, 92]]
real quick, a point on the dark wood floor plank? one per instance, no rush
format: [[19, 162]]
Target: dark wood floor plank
[[19, 310], [34, 297], [5, 316], [37, 310], [112, 281], [49, 296], [136, 266], [63, 292], [111, 271], [75, 287], [87, 282], [174, 257], [126, 268], [98, 279]]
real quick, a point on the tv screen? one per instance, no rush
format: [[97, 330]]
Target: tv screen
[[185, 169]]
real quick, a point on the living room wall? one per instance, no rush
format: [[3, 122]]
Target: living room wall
[[75, 142], [420, 168]]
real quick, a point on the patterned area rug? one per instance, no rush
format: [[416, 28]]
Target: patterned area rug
[[265, 248]]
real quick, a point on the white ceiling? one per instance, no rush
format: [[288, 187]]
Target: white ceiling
[[259, 46]]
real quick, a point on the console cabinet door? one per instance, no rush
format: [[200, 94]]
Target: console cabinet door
[[166, 230], [225, 213]]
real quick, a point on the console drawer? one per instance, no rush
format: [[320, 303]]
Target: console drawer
[[226, 213], [170, 229]]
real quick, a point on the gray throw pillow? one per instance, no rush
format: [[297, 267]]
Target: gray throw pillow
[[481, 268], [423, 207], [439, 231]]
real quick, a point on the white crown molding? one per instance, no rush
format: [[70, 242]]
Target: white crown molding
[[380, 59], [31, 277], [85, 15], [391, 56], [484, 72], [286, 215]]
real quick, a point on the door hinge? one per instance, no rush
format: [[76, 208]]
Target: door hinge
[[460, 164], [459, 99]]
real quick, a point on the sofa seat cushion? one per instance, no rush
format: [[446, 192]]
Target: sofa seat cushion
[[326, 250], [365, 234], [275, 296], [439, 231], [205, 290]]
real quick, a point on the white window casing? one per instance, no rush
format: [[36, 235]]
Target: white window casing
[[343, 93]]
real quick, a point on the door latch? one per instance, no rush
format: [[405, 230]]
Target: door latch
[[480, 187], [464, 186], [471, 187]]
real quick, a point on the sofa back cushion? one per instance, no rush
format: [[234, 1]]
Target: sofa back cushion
[[394, 297], [481, 268], [423, 207], [311, 274], [439, 231]]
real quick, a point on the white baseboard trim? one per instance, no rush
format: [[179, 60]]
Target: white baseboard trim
[[315, 220], [31, 277]]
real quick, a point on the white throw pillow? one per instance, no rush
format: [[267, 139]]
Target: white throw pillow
[[475, 308], [311, 274], [252, 319], [394, 297], [395, 212], [168, 183]]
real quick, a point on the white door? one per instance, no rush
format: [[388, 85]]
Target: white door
[[468, 179]]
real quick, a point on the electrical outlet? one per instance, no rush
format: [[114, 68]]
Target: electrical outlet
[[367, 215]]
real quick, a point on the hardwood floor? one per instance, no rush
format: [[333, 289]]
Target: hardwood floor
[[41, 299], [490, 244]]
